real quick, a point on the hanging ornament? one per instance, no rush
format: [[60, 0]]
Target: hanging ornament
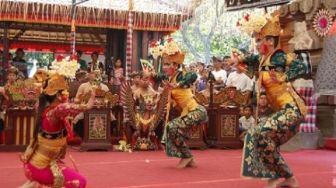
[[322, 22]]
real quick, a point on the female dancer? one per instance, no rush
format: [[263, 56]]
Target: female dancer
[[42, 158], [261, 156], [193, 114]]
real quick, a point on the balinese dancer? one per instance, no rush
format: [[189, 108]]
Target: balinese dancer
[[42, 158], [261, 155], [193, 114]]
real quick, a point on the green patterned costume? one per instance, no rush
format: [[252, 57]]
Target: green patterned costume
[[261, 155], [193, 114]]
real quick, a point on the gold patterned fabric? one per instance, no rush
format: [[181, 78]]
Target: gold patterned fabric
[[47, 150], [261, 155], [184, 98]]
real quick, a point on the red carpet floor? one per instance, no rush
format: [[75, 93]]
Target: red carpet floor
[[216, 168]]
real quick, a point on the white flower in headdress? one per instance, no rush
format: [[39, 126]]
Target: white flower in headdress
[[155, 49], [65, 66], [252, 23], [170, 47]]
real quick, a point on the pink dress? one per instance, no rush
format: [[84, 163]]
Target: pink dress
[[43, 161], [118, 73]]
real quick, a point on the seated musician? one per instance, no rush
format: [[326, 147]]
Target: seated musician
[[85, 89], [239, 79], [219, 74]]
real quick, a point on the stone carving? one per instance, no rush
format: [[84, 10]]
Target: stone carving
[[301, 39]]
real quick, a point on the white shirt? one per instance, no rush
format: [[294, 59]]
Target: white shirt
[[246, 123], [239, 80], [220, 75], [86, 87]]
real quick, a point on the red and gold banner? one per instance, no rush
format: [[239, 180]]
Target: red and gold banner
[[34, 12]]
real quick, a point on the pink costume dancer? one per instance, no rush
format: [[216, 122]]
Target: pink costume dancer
[[42, 158]]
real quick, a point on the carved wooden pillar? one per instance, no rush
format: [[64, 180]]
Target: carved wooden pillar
[[156, 38], [135, 50], [109, 53], [115, 42], [145, 41]]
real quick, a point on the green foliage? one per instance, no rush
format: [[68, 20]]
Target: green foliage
[[212, 31], [43, 58]]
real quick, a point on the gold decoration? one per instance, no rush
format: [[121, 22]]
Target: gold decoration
[[168, 49], [56, 83], [272, 27], [228, 126], [251, 23], [23, 93], [322, 22], [177, 58]]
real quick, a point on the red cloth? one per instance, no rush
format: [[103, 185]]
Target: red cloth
[[54, 117], [308, 125]]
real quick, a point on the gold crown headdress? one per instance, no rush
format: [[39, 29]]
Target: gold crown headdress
[[55, 80], [251, 23], [272, 27], [168, 49], [55, 83]]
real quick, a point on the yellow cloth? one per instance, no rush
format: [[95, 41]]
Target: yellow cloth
[[184, 98], [277, 91], [47, 150]]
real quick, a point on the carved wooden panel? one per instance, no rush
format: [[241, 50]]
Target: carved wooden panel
[[195, 132], [229, 96], [228, 125], [98, 126]]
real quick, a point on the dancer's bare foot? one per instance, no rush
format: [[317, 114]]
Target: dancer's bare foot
[[272, 183], [291, 182], [184, 162], [192, 163]]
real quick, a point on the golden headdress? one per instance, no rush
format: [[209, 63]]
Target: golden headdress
[[271, 28], [41, 75], [55, 80], [55, 84], [260, 25], [251, 24], [177, 58], [168, 49]]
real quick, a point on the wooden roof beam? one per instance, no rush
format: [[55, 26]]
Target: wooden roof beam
[[18, 35], [48, 28]]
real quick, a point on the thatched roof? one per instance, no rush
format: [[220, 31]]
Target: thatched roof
[[156, 15]]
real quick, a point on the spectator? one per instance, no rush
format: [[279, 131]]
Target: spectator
[[82, 63], [20, 63], [118, 75], [226, 65], [192, 67], [246, 122], [210, 68], [219, 74], [264, 108], [95, 64], [239, 79]]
